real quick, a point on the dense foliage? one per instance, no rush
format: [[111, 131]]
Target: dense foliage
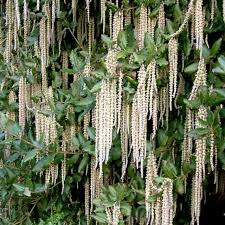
[[110, 111]]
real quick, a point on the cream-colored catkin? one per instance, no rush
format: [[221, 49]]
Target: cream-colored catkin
[[139, 121], [9, 33], [111, 61], [199, 24], [86, 124], [152, 89], [124, 135], [212, 15], [213, 159], [161, 17], [173, 61], [43, 50], [116, 214], [103, 12], [188, 14], [74, 10], [149, 182], [12, 99], [200, 79], [143, 26], [104, 120], [25, 21], [17, 13], [88, 10], [117, 25], [22, 102], [63, 165], [167, 202], [119, 99], [53, 14], [187, 143], [151, 24], [65, 64], [87, 200], [200, 153], [96, 183]]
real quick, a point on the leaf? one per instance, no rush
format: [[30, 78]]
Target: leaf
[[85, 101], [76, 61], [96, 87], [19, 187], [122, 40], [198, 132], [100, 217], [221, 92], [125, 208], [191, 68], [91, 132], [30, 155], [83, 163], [13, 128], [162, 62], [162, 138], [221, 61], [90, 149], [75, 142], [107, 40], [218, 70], [216, 47], [169, 169], [192, 104], [44, 162], [179, 186]]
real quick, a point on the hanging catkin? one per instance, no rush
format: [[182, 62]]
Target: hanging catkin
[[104, 120], [199, 23], [200, 79], [149, 182], [43, 48], [197, 182], [103, 10], [161, 17], [173, 60], [17, 13], [65, 64], [151, 24], [143, 26], [139, 121], [22, 102], [9, 34], [86, 200], [124, 135], [25, 21]]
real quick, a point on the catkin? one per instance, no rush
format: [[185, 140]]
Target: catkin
[[199, 24], [22, 102], [65, 64], [143, 26], [197, 185], [139, 121], [103, 10], [173, 60]]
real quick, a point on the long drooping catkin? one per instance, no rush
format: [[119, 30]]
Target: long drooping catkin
[[143, 26], [199, 24], [22, 102], [173, 60], [139, 121], [197, 182]]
